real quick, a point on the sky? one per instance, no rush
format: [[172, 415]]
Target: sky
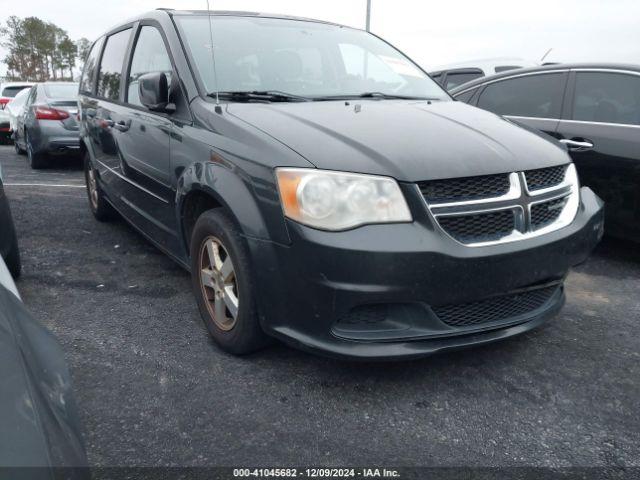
[[433, 33]]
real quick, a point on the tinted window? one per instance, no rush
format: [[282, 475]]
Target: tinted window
[[533, 96], [466, 96], [455, 79], [150, 55], [68, 90], [111, 65], [10, 92], [437, 78], [607, 97], [90, 68]]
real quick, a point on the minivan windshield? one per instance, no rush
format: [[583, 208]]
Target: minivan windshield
[[303, 59]]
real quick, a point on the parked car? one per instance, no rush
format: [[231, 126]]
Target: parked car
[[594, 109], [454, 75], [41, 433], [9, 90], [15, 109], [5, 126], [346, 207], [9, 250], [49, 125]]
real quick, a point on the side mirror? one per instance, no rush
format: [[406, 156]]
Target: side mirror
[[153, 89]]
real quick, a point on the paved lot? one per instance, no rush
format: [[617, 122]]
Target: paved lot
[[154, 390]]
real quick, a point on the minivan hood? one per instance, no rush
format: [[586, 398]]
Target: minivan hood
[[407, 140]]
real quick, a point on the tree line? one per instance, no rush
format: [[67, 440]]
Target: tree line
[[40, 51]]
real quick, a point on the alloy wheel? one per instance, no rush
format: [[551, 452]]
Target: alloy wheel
[[218, 283]]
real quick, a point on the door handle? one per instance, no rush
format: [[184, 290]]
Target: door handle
[[577, 145], [105, 122], [122, 125]]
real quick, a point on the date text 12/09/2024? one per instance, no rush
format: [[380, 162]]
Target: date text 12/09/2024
[[315, 473]]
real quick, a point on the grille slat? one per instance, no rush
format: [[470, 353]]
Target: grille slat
[[545, 177], [468, 188], [503, 308], [480, 227], [543, 214]]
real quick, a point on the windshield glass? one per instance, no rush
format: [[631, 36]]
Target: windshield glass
[[301, 58], [61, 90]]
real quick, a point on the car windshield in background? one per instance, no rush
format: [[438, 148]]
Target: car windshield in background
[[65, 90], [10, 92], [298, 58]]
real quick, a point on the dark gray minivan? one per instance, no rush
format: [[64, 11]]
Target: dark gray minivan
[[323, 190]]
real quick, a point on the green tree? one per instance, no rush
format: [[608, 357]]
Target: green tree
[[38, 50], [68, 52]]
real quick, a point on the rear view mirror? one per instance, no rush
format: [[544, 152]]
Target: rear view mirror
[[153, 89]]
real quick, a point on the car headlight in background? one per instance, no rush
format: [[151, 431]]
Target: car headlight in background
[[338, 201]]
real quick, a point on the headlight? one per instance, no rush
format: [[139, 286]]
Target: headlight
[[339, 201]]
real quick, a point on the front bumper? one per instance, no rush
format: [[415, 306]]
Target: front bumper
[[307, 288]]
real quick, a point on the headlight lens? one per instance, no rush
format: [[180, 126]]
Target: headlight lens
[[339, 201]]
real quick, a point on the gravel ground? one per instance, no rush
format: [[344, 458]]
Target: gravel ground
[[154, 391]]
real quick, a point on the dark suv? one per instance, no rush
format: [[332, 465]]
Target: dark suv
[[322, 189]]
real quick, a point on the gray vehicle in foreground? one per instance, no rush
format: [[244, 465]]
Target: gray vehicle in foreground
[[41, 433], [49, 124], [9, 251]]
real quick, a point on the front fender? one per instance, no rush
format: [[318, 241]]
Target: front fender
[[251, 199]]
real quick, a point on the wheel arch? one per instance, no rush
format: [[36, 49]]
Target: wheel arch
[[203, 186]]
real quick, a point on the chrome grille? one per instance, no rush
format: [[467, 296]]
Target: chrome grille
[[467, 188], [545, 177], [535, 202], [495, 309]]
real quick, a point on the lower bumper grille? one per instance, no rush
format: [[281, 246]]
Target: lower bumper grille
[[495, 309]]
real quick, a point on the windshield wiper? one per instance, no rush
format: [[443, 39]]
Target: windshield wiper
[[261, 96], [381, 95]]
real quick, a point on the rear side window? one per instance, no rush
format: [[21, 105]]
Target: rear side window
[[150, 55], [607, 98], [111, 65], [457, 79], [88, 79], [538, 96]]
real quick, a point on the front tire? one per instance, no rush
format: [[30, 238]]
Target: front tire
[[36, 159], [99, 206], [222, 283]]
